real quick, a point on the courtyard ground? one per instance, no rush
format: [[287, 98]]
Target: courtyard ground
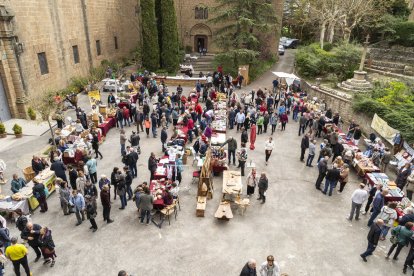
[[306, 231]]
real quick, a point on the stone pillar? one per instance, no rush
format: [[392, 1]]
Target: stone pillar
[[9, 70]]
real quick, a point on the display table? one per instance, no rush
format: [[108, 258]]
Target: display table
[[232, 183], [395, 193], [182, 132], [47, 178], [107, 125], [9, 205], [217, 139], [224, 211]]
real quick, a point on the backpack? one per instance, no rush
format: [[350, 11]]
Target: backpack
[[21, 223]]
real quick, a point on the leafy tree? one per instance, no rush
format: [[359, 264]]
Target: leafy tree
[[168, 35], [150, 51], [243, 27]]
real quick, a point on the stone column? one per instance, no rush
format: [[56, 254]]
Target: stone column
[[9, 69]]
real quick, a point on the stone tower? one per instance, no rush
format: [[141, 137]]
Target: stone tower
[[195, 31]]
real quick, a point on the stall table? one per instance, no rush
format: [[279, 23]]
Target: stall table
[[107, 125], [232, 183], [395, 193], [9, 205], [47, 177]]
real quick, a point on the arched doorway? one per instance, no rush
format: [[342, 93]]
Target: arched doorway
[[201, 36]]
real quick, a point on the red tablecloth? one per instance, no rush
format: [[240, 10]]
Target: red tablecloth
[[122, 104], [184, 134], [158, 176], [194, 99], [68, 160], [107, 125]]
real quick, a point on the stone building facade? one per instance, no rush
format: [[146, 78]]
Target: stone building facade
[[44, 43], [196, 31]]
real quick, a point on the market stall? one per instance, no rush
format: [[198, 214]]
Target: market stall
[[205, 185], [395, 194], [232, 189]]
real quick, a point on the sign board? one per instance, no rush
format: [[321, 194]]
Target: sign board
[[94, 96], [383, 129]]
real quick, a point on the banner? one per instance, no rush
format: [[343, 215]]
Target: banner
[[94, 96], [383, 129]]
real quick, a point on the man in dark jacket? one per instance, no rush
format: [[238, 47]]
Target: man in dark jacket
[[31, 234], [152, 165], [249, 268], [303, 146], [332, 178], [244, 136], [232, 117], [134, 139], [164, 137], [231, 148], [373, 237], [323, 168], [263, 185], [106, 203], [73, 175], [59, 168], [377, 205], [40, 195], [128, 182], [131, 161]]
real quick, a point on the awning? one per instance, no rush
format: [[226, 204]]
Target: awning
[[289, 78]]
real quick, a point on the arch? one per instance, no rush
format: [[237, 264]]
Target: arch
[[200, 29]]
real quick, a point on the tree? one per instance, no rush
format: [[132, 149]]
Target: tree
[[45, 105], [150, 51], [168, 35], [243, 24]]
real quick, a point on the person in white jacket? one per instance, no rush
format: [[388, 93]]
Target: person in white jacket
[[388, 215], [269, 145], [270, 267]]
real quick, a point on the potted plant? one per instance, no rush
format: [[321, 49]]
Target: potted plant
[[17, 131], [31, 113], [3, 133]]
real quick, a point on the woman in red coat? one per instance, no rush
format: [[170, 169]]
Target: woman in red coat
[[284, 119]]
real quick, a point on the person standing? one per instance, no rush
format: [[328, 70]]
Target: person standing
[[343, 177], [47, 245], [388, 215], [402, 176], [284, 119], [302, 124], [232, 118], [385, 160], [311, 154], [373, 237], [125, 116], [95, 145], [252, 180], [179, 166], [410, 186], [263, 185], [240, 117], [273, 121], [332, 177], [92, 164], [303, 146], [190, 126], [128, 182], [17, 183], [59, 168], [242, 157], [323, 169], [403, 235], [357, 135], [121, 189], [146, 205], [79, 203], [152, 165], [81, 182], [40, 195], [92, 192], [270, 267], [164, 137], [269, 146], [64, 196], [106, 204], [249, 269], [358, 197], [231, 148], [377, 205], [259, 124], [244, 137], [73, 175], [17, 253], [122, 141], [31, 234], [131, 161]]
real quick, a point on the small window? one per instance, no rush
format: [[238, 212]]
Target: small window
[[201, 13], [44, 69], [116, 42], [98, 47], [75, 54]]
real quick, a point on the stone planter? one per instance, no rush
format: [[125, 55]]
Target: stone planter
[[3, 135], [20, 135]]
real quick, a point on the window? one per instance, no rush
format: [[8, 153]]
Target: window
[[201, 13], [75, 54], [98, 48], [44, 69], [116, 42]]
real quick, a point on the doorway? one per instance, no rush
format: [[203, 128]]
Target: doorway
[[4, 106], [200, 42]]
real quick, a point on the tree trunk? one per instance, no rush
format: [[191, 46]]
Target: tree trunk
[[51, 132], [347, 35], [331, 31], [322, 34]]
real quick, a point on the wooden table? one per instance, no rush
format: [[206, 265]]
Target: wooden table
[[232, 183]]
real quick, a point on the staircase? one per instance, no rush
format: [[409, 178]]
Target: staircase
[[203, 63], [396, 61]]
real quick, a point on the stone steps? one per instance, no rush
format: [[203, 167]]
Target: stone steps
[[203, 63]]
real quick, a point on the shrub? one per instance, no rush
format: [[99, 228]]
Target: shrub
[[405, 34], [2, 128], [188, 49], [32, 113], [17, 129], [150, 49]]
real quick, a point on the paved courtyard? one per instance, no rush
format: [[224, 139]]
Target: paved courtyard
[[306, 231]]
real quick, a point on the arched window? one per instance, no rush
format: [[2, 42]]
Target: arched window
[[201, 12]]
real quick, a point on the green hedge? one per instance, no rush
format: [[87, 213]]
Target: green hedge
[[405, 34], [150, 50], [342, 61]]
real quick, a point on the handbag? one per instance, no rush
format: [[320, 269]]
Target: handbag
[[394, 239]]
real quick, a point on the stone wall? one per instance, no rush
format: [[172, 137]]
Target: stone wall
[[54, 27]]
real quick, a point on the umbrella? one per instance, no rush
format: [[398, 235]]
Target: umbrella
[[289, 78], [252, 136]]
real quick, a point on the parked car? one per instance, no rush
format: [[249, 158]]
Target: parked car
[[111, 85], [281, 50], [292, 43]]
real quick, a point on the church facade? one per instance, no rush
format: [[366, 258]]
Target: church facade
[[195, 30]]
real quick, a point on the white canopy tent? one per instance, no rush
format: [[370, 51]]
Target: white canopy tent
[[289, 78]]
